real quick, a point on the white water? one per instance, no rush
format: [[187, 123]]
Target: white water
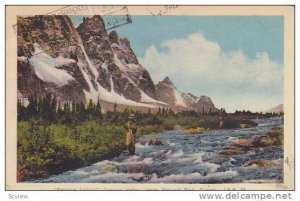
[[186, 159]]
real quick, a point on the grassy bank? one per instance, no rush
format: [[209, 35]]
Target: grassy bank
[[190, 123]]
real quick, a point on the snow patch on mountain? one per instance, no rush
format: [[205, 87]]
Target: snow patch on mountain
[[45, 66], [61, 61], [131, 67], [103, 94], [104, 66], [191, 98], [92, 94], [90, 63], [147, 99], [178, 98], [113, 96], [119, 63], [22, 59]]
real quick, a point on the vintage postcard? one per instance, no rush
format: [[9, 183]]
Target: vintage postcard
[[150, 97]]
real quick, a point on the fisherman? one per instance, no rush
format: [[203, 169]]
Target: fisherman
[[131, 134]]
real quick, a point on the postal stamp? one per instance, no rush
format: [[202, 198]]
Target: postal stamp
[[161, 10], [114, 16]]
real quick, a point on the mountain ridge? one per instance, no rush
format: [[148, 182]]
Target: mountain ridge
[[169, 93], [87, 62], [276, 109]]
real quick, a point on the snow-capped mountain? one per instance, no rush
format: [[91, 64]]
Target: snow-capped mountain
[[83, 63], [80, 64], [168, 93]]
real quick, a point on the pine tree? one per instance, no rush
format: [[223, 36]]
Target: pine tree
[[74, 108], [115, 107], [32, 107], [159, 111], [59, 109], [67, 109], [40, 106], [90, 109], [81, 114], [52, 114], [90, 106], [98, 112], [45, 107], [163, 111], [125, 114], [20, 110]]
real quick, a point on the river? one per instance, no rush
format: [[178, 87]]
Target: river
[[187, 159]]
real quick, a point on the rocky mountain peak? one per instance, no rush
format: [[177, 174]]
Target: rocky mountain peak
[[93, 26], [204, 99], [126, 42], [122, 48], [167, 81], [114, 37], [115, 63], [205, 103], [168, 93], [53, 33]]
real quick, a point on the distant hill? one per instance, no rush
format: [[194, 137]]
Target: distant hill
[[277, 109]]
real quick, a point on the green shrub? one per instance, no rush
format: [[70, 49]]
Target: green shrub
[[44, 150]]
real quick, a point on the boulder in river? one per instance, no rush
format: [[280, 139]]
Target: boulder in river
[[140, 167], [275, 132], [232, 150], [266, 141], [243, 142], [155, 142], [261, 163], [109, 167], [244, 125]]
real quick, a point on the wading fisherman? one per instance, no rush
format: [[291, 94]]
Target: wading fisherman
[[130, 136]]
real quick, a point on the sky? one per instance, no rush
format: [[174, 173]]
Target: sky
[[236, 60]]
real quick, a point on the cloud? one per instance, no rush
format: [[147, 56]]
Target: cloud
[[201, 66]]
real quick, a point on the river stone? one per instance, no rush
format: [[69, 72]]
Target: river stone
[[261, 163], [109, 167], [155, 142], [230, 150], [138, 168], [243, 142]]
